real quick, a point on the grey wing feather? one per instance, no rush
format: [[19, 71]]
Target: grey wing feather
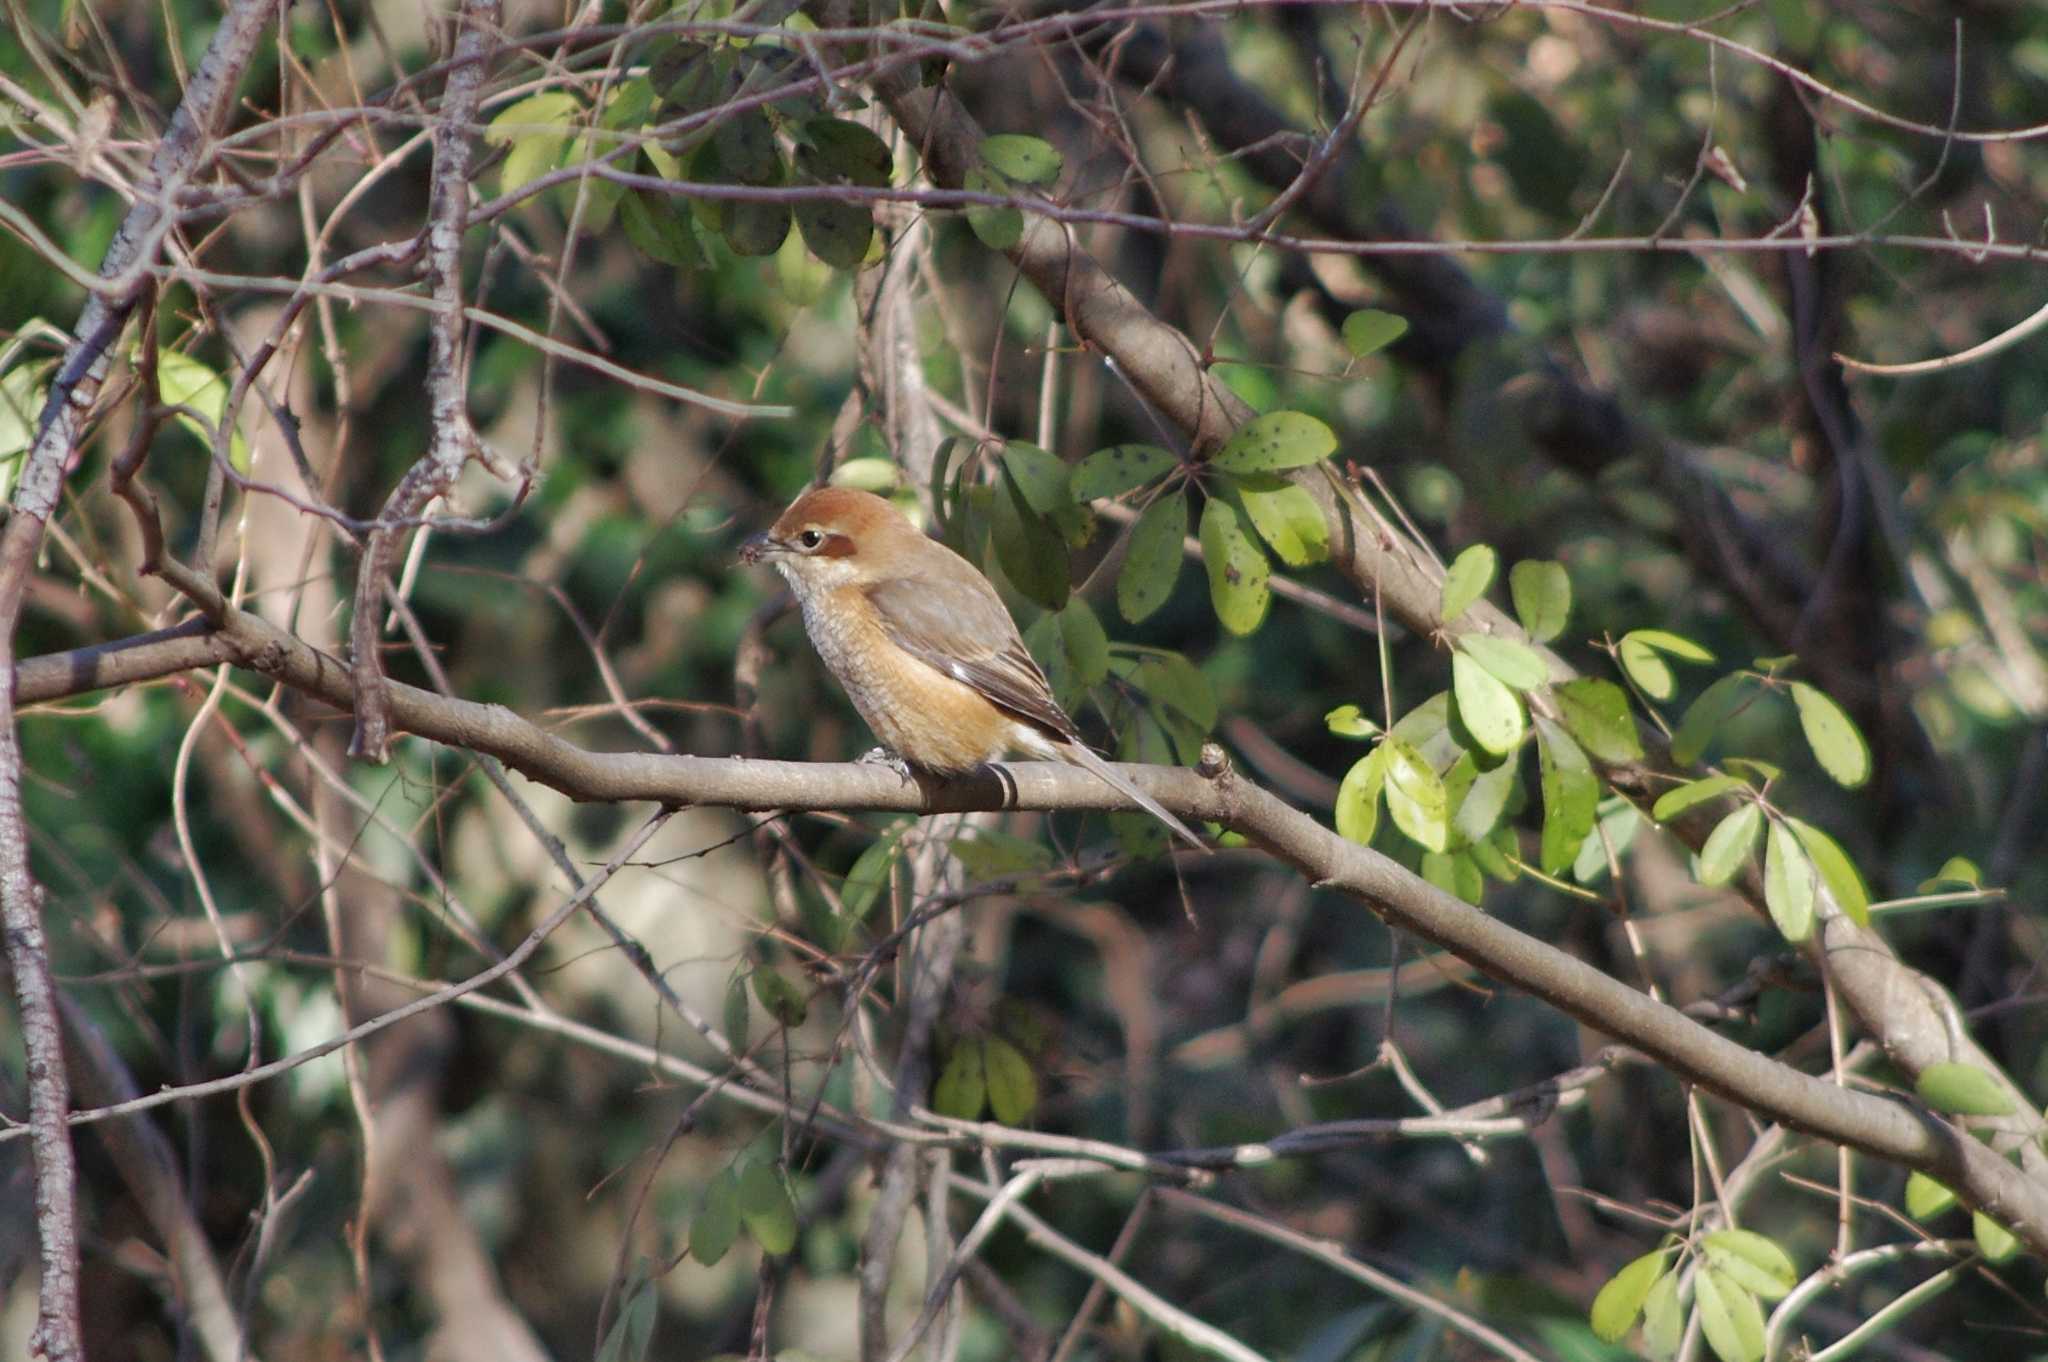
[[935, 621]]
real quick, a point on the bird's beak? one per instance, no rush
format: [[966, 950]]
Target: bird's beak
[[758, 548]]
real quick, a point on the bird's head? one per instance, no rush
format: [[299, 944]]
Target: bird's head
[[831, 536]]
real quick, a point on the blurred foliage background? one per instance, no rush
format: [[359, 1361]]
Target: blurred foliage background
[[526, 1181]]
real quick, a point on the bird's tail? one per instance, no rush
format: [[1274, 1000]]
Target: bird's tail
[[1080, 755]]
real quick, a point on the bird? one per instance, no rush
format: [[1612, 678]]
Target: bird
[[921, 642]]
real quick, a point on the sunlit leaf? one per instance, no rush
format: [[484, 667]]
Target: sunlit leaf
[[1358, 797], [1621, 1299], [1571, 796], [1613, 830], [1488, 709], [22, 394], [1729, 1316], [1118, 469], [1837, 871], [1370, 330], [1349, 721], [1026, 160], [1730, 844], [537, 130], [1956, 870], [1663, 1318], [1289, 520], [1484, 801], [870, 874], [1997, 1243], [1456, 873], [1542, 594], [1515, 663], [1836, 741], [1415, 796], [1238, 570], [1672, 803], [1470, 574], [1751, 1260], [1788, 883], [1274, 442], [1962, 1090], [185, 381], [1597, 713], [1926, 1198]]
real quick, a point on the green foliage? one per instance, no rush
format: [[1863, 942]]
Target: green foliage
[[1369, 331], [1962, 1090], [1471, 573]]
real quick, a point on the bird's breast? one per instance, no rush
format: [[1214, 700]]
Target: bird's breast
[[924, 716]]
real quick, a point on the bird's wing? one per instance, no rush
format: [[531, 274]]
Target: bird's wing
[[961, 628]]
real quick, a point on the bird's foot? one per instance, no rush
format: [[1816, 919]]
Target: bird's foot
[[882, 756]]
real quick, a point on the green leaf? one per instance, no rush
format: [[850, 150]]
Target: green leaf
[[717, 1222], [658, 231], [1369, 330], [633, 1330], [1274, 442], [1152, 557], [1955, 870], [1788, 883], [1729, 845], [1672, 803], [22, 394], [1664, 641], [537, 128], [1488, 709], [1704, 717], [1512, 661], [1415, 796], [1962, 1090], [1833, 736], [877, 475], [1621, 1299], [785, 1001], [1039, 474], [986, 854], [1646, 667], [1837, 871], [1288, 519], [1032, 553], [1012, 1087], [1471, 573], [1729, 1316], [1571, 796], [766, 1207], [1349, 721], [1542, 593], [690, 78], [184, 381], [1613, 830], [1237, 568], [1358, 797], [1456, 873], [738, 1012], [1997, 1243], [1000, 229], [871, 873], [1116, 470], [1087, 646], [1486, 799], [1597, 713], [746, 147], [1663, 1319], [1172, 680], [1752, 1261], [1926, 1198], [752, 227], [961, 1090], [1027, 160]]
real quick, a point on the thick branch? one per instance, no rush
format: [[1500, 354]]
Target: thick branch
[[1890, 1128]]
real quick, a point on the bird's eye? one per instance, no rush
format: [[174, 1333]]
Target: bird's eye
[[810, 539]]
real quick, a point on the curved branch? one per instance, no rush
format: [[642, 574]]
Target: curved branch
[[1889, 1128]]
